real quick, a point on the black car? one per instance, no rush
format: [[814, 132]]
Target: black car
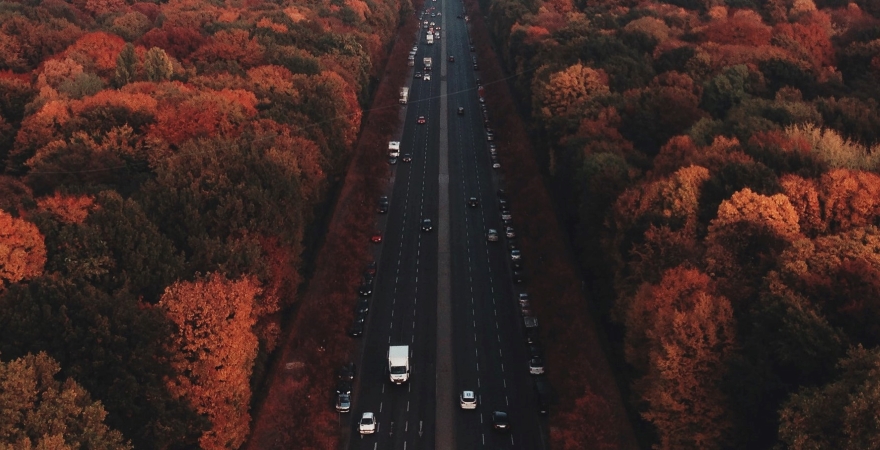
[[362, 306], [360, 317], [427, 225], [365, 290], [535, 351], [392, 160], [460, 110], [473, 49], [347, 372], [417, 75], [518, 276], [500, 420], [356, 329], [407, 157], [451, 58], [383, 205], [371, 267], [476, 67], [502, 194], [343, 387], [473, 202]]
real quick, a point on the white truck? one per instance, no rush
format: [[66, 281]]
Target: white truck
[[394, 149], [398, 363], [428, 63], [430, 38], [404, 95]]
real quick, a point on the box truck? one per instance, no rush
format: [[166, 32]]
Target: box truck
[[398, 363], [404, 95], [428, 64], [430, 38], [394, 149]]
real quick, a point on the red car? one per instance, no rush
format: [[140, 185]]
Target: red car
[[421, 120], [377, 237]]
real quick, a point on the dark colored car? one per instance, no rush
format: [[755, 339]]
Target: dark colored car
[[427, 225], [407, 157], [451, 58], [365, 290], [518, 276], [500, 420], [377, 237], [347, 372], [382, 208], [362, 306], [421, 120], [417, 75], [372, 267], [343, 387], [473, 202], [356, 329], [461, 110]]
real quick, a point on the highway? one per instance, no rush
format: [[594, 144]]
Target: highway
[[485, 339]]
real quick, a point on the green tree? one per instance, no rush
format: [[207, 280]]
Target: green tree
[[157, 65], [126, 66], [725, 91], [841, 414], [38, 411]]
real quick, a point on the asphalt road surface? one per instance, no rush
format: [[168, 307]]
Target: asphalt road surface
[[480, 345]]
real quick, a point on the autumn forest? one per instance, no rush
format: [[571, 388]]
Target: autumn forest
[[165, 169], [717, 164]]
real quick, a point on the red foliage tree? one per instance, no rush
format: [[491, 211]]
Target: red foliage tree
[[179, 42], [22, 250], [745, 27]]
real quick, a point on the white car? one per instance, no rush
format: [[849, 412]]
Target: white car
[[427, 77], [468, 400], [368, 424]]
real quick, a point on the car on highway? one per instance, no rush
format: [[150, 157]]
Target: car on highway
[[376, 238], [501, 194], [382, 208], [526, 311], [360, 317], [421, 120], [505, 214], [372, 266], [502, 200], [356, 329], [476, 67], [365, 290], [523, 298], [536, 366], [518, 276], [473, 202], [417, 74], [461, 110], [367, 424], [509, 232], [492, 235], [415, 48], [427, 77], [535, 351], [362, 306], [427, 225], [451, 58], [496, 164], [392, 160], [467, 400], [515, 255], [347, 372], [500, 421], [472, 48], [343, 387], [343, 403], [490, 135], [407, 157]]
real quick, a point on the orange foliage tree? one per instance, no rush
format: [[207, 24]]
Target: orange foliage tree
[[746, 237], [67, 208], [22, 250], [850, 198], [216, 348], [97, 52], [680, 334]]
